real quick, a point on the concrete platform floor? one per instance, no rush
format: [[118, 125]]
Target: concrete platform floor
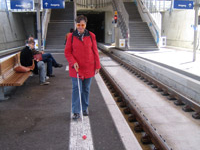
[[38, 117]]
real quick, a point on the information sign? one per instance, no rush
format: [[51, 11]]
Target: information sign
[[121, 42], [53, 4], [179, 4], [21, 4]]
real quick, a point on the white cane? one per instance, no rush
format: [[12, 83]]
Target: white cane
[[79, 91]]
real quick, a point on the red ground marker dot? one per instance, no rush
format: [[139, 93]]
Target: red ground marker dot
[[84, 137]]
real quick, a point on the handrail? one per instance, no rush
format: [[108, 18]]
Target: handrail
[[123, 18], [157, 5], [153, 24]]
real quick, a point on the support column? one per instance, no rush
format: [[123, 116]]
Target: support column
[[39, 31], [195, 29]]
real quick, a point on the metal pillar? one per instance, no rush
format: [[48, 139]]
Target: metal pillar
[[39, 31], [195, 28]]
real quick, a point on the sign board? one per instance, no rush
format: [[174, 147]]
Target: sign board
[[163, 41], [182, 4], [21, 4], [36, 43], [121, 42], [53, 4]]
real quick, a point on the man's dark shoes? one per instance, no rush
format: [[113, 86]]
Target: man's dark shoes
[[76, 116], [58, 65], [51, 75], [85, 113]]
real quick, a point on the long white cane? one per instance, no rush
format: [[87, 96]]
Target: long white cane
[[79, 91]]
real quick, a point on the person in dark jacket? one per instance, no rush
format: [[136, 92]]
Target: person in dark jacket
[[26, 59], [83, 57], [47, 58]]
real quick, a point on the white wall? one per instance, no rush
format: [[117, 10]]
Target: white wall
[[11, 30], [178, 29], [109, 27]]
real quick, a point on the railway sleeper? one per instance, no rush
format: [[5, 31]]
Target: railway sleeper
[[149, 83], [154, 86], [138, 75], [171, 98], [159, 89], [138, 127], [145, 80], [165, 93], [155, 148], [142, 78], [196, 115], [132, 71], [113, 90], [187, 108], [122, 104], [109, 86], [127, 111], [119, 99], [146, 139], [132, 118], [116, 95], [129, 69], [178, 103], [106, 80]]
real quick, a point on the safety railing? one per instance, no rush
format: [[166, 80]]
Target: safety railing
[[152, 15], [93, 3], [123, 19], [122, 14], [157, 5], [154, 7]]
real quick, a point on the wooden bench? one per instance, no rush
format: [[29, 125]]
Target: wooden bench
[[8, 77]]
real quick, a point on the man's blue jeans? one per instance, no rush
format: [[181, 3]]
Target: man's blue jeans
[[85, 92], [42, 71], [47, 57]]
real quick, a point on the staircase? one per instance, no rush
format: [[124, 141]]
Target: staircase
[[140, 35], [61, 21]]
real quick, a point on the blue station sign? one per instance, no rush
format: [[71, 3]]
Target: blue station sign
[[183, 4], [53, 4], [21, 4]]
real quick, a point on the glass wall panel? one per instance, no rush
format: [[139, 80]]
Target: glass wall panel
[[2, 5]]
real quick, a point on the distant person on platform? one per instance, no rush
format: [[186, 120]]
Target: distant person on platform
[[66, 36], [48, 58], [83, 57], [26, 59]]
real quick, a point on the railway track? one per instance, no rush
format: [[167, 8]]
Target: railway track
[[178, 98], [135, 114]]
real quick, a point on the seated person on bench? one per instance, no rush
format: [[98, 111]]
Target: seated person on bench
[[47, 57], [26, 59]]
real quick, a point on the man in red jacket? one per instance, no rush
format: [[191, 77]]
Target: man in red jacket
[[83, 57]]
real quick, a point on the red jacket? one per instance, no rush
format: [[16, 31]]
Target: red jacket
[[84, 52]]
